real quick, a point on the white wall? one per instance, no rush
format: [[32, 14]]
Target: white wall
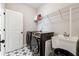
[[49, 26], [51, 7], [75, 22], [2, 5], [28, 16]]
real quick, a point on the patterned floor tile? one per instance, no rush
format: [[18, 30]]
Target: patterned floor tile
[[20, 52]]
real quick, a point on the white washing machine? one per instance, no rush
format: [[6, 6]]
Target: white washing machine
[[66, 43]]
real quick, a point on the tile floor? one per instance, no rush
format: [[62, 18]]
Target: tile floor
[[20, 52]]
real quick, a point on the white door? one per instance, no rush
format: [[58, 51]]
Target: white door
[[14, 30], [2, 33]]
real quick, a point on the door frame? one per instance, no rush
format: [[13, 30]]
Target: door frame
[[2, 31]]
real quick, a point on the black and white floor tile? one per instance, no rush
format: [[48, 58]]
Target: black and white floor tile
[[20, 52]]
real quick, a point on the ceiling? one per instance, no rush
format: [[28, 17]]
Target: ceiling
[[35, 5]]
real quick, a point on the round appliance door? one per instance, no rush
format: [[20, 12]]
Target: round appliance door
[[35, 43]]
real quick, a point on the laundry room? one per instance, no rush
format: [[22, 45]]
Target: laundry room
[[39, 29]]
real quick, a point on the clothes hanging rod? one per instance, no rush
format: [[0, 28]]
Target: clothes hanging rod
[[63, 10]]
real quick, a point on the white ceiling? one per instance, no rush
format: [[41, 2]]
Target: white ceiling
[[35, 5]]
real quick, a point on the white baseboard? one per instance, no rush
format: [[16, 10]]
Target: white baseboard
[[24, 45]]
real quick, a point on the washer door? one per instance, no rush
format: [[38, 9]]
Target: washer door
[[62, 52], [35, 43]]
